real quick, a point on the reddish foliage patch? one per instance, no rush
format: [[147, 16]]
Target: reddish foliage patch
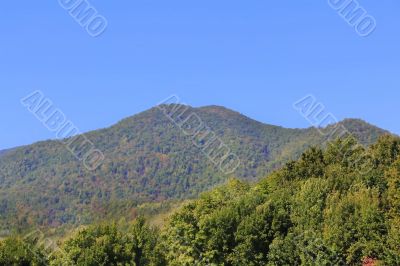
[[369, 262]]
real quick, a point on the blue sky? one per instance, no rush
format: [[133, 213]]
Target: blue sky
[[257, 57]]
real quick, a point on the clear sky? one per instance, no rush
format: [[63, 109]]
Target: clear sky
[[256, 57]]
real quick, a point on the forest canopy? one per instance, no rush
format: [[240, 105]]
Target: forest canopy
[[328, 208]]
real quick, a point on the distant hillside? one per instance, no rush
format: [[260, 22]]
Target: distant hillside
[[147, 158], [3, 152]]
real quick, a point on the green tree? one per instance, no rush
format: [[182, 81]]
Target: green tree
[[15, 251], [107, 245], [355, 224]]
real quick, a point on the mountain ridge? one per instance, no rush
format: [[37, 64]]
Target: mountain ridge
[[344, 121], [148, 158]]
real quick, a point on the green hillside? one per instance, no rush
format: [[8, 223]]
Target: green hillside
[[327, 208], [334, 206], [147, 159]]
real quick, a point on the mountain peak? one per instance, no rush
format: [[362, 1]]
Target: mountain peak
[[365, 132], [218, 108]]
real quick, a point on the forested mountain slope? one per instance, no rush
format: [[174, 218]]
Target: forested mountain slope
[[334, 206], [147, 158]]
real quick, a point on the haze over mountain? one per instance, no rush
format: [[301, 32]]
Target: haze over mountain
[[148, 158], [2, 152]]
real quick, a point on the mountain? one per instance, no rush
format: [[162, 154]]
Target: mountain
[[3, 152], [149, 158]]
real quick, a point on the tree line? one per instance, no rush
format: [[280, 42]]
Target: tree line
[[334, 206]]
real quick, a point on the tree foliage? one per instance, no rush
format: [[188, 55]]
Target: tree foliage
[[324, 209]]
